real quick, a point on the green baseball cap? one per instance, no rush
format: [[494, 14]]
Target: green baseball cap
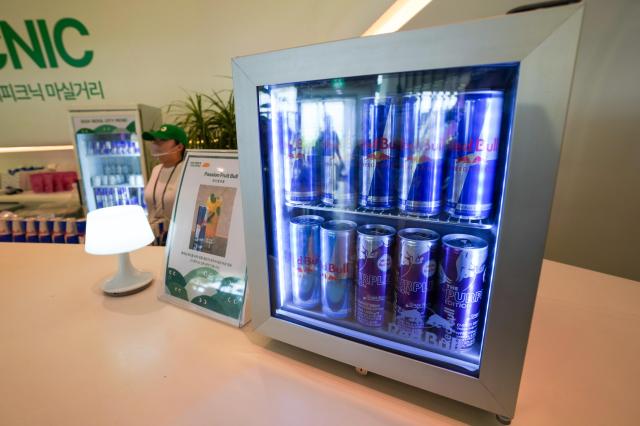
[[166, 132]]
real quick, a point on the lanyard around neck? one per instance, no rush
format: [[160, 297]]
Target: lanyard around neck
[[155, 185]]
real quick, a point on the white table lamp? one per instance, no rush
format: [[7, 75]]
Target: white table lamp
[[119, 230]]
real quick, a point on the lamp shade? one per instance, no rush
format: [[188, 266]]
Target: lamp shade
[[118, 229]]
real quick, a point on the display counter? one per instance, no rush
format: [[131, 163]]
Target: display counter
[[34, 204], [71, 355]]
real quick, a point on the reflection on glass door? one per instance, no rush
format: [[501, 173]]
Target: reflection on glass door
[[383, 198], [110, 158]]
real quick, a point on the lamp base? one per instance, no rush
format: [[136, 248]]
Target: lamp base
[[128, 280]]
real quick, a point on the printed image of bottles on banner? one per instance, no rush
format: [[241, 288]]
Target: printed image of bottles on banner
[[205, 254]]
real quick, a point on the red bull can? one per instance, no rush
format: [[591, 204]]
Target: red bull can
[[378, 155], [416, 253], [473, 156], [81, 225], [298, 129], [375, 261], [71, 232], [337, 242], [18, 230], [200, 228], [460, 289], [305, 260], [340, 156], [31, 230], [422, 152], [5, 230], [44, 231], [59, 228], [6, 221]]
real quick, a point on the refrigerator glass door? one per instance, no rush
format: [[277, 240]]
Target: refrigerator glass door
[[109, 154], [383, 199]]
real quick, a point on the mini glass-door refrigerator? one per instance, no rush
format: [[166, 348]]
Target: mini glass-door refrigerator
[[399, 190], [111, 155]]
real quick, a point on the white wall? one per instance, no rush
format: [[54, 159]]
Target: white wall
[[149, 51], [62, 160], [597, 200]]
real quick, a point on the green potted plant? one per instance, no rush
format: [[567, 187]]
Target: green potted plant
[[208, 120]]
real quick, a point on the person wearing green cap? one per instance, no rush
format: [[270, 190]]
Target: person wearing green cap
[[167, 144]]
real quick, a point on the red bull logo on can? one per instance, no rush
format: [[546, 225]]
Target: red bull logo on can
[[477, 145], [296, 151], [474, 156], [307, 263], [379, 147], [337, 269]]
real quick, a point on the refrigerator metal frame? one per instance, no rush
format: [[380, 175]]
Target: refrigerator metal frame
[[544, 43], [146, 117]]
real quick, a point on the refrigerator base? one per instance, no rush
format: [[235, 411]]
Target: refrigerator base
[[503, 419]]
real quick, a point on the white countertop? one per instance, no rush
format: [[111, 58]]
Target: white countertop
[[30, 197], [71, 356]]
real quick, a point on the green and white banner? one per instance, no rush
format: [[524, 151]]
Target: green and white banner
[[205, 254]]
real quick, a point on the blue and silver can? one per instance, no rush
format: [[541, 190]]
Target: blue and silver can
[[305, 260], [6, 222], [59, 228], [378, 155], [473, 156], [71, 232], [298, 129], [18, 230], [337, 241], [5, 230], [44, 230], [31, 230], [81, 225], [416, 253], [422, 150], [200, 228], [460, 290], [375, 263], [340, 156]]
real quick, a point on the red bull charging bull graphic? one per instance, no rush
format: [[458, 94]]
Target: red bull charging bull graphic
[[416, 272], [375, 264], [379, 154], [423, 142], [473, 156], [340, 159], [305, 258], [460, 289], [338, 240]]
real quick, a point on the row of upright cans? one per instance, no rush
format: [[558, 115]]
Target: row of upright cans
[[42, 230], [124, 146], [119, 196], [421, 153], [375, 275]]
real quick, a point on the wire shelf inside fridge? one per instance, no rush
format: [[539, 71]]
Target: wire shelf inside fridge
[[441, 219]]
